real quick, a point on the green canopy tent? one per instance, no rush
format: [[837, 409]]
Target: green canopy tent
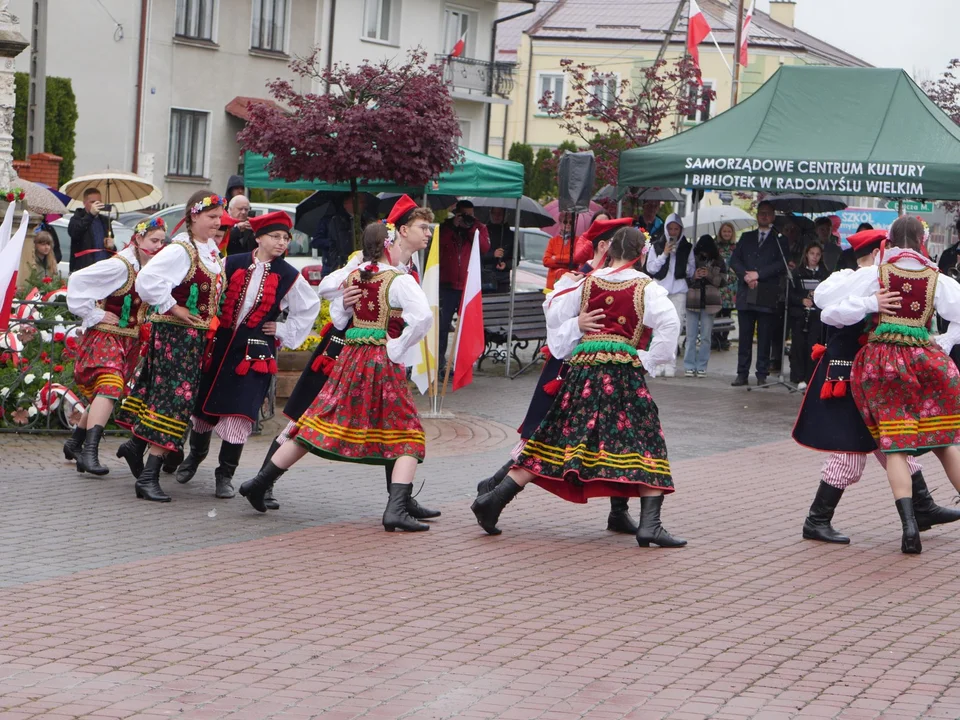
[[823, 130], [478, 175]]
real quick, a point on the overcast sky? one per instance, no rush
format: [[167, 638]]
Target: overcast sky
[[920, 36]]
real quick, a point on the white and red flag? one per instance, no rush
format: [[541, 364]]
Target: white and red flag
[[745, 34], [470, 341], [459, 47], [10, 251], [697, 31]]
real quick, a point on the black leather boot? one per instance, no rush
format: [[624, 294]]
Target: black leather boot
[[199, 447], [171, 461], [147, 486], [396, 516], [651, 530], [229, 460], [910, 544], [488, 506], [817, 525], [89, 458], [415, 509], [927, 512], [74, 443], [485, 486], [269, 501], [132, 451], [619, 519], [256, 489]]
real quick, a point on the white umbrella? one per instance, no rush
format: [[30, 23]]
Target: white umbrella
[[710, 218], [125, 191], [40, 200]]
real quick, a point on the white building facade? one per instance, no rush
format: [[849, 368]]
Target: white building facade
[[169, 107]]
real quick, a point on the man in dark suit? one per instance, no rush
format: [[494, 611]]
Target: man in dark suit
[[758, 261]]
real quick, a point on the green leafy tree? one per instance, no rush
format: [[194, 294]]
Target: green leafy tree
[[60, 129], [523, 154]]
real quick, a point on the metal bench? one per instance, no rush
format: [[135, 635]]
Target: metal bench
[[529, 326]]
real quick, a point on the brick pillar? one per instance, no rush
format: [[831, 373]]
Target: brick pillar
[[40, 168]]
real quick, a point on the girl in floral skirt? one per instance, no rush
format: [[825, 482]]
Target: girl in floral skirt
[[103, 296], [602, 437], [183, 282], [365, 412], [905, 386]]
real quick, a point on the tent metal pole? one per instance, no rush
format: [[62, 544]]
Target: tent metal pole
[[513, 280]]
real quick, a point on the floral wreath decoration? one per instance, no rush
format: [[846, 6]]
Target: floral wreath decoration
[[926, 230], [645, 237], [13, 194], [391, 234], [206, 203], [146, 226]]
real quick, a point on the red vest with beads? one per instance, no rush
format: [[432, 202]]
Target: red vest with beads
[[373, 313], [207, 293], [908, 325]]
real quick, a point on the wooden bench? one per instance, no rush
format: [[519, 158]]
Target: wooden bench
[[529, 326]]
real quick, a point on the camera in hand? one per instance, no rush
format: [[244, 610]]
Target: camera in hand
[[467, 220]]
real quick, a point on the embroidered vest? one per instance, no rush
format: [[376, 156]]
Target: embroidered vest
[[125, 304], [910, 324], [199, 291], [623, 330], [374, 321]]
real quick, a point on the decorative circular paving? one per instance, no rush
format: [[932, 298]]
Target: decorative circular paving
[[465, 435]]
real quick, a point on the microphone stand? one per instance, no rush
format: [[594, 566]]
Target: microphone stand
[[781, 379]]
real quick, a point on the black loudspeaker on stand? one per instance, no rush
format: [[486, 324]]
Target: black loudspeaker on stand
[[781, 380], [576, 177]]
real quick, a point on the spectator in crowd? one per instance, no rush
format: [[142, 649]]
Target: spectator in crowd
[[758, 262], [790, 228], [823, 227], [91, 237], [726, 241], [235, 186], [671, 262], [556, 258], [703, 303], [241, 234], [804, 315], [498, 262], [949, 264], [456, 241], [334, 234], [37, 262], [649, 220]]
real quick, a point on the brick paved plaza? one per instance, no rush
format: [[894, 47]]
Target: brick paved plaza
[[118, 608]]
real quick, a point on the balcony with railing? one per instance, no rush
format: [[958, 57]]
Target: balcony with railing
[[479, 80]]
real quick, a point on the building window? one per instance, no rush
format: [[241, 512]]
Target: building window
[[195, 19], [606, 89], [269, 25], [456, 26], [552, 84], [188, 143], [377, 17], [696, 97]]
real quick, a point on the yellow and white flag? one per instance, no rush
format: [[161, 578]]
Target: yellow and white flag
[[424, 355]]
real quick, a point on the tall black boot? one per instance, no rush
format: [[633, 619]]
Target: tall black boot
[[74, 443], [485, 486], [229, 460], [89, 458], [911, 533], [415, 509], [147, 486], [199, 447], [269, 501], [488, 506], [132, 451], [619, 519], [651, 530], [171, 461], [254, 490], [396, 516], [927, 512], [817, 525]]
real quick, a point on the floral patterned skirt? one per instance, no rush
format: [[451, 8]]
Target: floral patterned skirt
[[159, 406], [908, 396], [601, 438], [365, 412], [106, 362]]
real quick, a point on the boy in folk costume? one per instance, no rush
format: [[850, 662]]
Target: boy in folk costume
[[829, 420], [602, 436], [905, 386], [365, 412], [242, 361], [555, 369], [104, 297]]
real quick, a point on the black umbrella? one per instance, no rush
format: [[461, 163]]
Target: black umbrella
[[321, 204], [434, 202], [532, 213], [804, 223], [805, 203], [611, 192]]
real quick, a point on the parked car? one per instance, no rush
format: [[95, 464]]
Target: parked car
[[121, 236]]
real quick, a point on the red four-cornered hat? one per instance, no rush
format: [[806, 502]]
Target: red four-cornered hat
[[402, 208], [601, 228], [271, 222], [227, 221], [866, 241]]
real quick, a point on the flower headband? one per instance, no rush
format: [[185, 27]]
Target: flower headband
[[146, 226], [926, 230], [208, 202], [644, 238], [391, 234]]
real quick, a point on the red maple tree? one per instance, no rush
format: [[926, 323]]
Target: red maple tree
[[945, 92], [609, 116], [375, 122]]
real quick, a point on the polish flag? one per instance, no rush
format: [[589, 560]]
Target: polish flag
[[697, 31], [745, 34], [459, 47], [470, 342], [10, 250]]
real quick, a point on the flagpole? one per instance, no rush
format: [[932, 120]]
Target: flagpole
[[714, 38], [734, 86], [453, 350]]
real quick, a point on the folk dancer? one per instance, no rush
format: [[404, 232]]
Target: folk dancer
[[829, 420], [242, 361], [104, 297], [602, 437]]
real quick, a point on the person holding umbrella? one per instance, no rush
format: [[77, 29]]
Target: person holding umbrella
[[498, 260], [333, 236]]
